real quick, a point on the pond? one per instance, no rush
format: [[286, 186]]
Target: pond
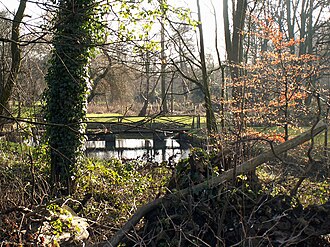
[[138, 147]]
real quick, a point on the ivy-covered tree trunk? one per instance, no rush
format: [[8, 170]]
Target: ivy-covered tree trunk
[[68, 84]]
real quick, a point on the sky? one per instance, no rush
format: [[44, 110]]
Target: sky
[[12, 5], [208, 21], [32, 12]]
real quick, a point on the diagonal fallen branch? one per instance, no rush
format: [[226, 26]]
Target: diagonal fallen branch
[[214, 181]]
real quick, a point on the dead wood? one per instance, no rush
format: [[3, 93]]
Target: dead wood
[[245, 167]]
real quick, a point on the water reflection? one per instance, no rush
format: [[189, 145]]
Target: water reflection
[[159, 150]]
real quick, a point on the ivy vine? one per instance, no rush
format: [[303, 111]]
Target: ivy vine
[[77, 29]]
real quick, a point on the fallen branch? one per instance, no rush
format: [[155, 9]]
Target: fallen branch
[[215, 181]]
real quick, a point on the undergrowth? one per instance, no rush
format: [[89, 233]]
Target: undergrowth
[[108, 192]]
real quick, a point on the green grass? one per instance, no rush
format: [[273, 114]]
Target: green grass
[[187, 120], [319, 139], [103, 115], [280, 130], [114, 117]]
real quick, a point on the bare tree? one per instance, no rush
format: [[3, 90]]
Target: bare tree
[[211, 123], [233, 36], [7, 85]]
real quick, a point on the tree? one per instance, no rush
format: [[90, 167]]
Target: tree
[[99, 75], [115, 81], [191, 64], [276, 81], [163, 58], [234, 40], [303, 19], [67, 78], [211, 123], [233, 37], [7, 82]]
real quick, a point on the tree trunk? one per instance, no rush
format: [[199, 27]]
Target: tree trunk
[[163, 62], [143, 112], [290, 22], [234, 40], [302, 45], [310, 29], [222, 80], [99, 78], [234, 48], [7, 87], [67, 80], [210, 117]]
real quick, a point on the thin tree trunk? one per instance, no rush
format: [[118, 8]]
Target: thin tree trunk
[[7, 88], [234, 44], [222, 68], [163, 62], [143, 112], [310, 30], [210, 118], [99, 78], [302, 45], [290, 23]]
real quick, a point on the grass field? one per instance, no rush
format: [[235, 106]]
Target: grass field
[[319, 139], [188, 120], [113, 117]]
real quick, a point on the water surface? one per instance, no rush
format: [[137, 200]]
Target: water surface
[[167, 149]]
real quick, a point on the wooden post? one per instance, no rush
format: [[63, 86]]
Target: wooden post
[[110, 141]]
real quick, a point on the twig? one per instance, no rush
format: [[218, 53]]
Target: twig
[[310, 149]]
